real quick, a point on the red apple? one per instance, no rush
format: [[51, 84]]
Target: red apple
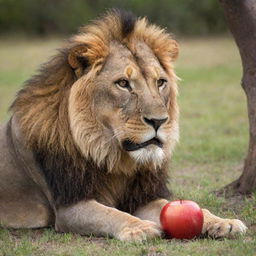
[[182, 219]]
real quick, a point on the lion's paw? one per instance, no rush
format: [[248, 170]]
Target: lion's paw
[[225, 228], [139, 231]]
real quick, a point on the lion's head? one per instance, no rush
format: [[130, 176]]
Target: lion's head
[[110, 94]]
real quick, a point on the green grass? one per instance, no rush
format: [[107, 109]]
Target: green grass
[[213, 145]]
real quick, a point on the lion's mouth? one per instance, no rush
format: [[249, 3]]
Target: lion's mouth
[[131, 146]]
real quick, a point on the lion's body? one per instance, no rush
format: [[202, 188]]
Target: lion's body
[[23, 192], [88, 145], [26, 201]]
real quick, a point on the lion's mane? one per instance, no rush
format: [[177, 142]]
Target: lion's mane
[[41, 109]]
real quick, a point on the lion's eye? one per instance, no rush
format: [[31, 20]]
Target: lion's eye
[[123, 83], [161, 83]]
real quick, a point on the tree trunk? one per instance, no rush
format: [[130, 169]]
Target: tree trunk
[[241, 19]]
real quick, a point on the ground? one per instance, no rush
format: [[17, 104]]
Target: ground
[[212, 148]]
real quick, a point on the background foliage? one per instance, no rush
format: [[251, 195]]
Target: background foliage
[[42, 17]]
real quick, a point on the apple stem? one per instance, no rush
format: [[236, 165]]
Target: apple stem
[[180, 201]]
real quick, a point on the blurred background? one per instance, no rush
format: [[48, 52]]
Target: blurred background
[[45, 17]]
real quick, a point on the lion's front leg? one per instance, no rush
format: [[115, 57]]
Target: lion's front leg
[[151, 211], [217, 227], [91, 217]]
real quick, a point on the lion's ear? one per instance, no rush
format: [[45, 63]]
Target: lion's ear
[[77, 59]]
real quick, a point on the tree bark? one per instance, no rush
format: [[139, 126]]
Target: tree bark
[[241, 19]]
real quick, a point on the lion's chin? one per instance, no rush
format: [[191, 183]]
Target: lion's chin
[[150, 154]]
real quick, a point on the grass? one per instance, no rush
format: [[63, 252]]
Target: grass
[[214, 138]]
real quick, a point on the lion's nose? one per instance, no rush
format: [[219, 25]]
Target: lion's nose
[[156, 123]]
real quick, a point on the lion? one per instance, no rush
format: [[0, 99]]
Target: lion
[[88, 145]]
